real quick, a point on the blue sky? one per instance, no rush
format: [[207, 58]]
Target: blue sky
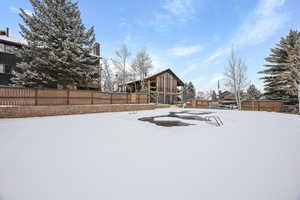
[[192, 37]]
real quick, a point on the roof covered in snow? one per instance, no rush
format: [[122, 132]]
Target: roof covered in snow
[[159, 73], [11, 40]]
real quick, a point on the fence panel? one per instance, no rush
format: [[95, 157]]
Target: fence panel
[[133, 98], [142, 99], [52, 97], [197, 103], [101, 98], [80, 97], [120, 98], [270, 106], [17, 96], [25, 96]]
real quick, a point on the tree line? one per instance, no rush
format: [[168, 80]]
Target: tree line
[[59, 46], [281, 74], [59, 51], [122, 69]]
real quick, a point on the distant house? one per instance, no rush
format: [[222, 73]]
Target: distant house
[[164, 87], [8, 58], [228, 98]]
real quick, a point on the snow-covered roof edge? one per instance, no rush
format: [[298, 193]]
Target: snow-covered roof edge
[[157, 74], [13, 40]]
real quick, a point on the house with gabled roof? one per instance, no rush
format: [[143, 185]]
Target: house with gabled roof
[[164, 87]]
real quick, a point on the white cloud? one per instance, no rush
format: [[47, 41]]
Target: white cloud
[[127, 39], [14, 10], [189, 68], [160, 21], [182, 8], [173, 11], [216, 54], [186, 50], [262, 23], [158, 62], [216, 77], [207, 83], [17, 11]]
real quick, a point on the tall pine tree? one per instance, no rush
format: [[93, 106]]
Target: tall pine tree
[[293, 77], [276, 85], [58, 49]]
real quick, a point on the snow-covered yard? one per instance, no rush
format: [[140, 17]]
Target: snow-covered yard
[[114, 156]]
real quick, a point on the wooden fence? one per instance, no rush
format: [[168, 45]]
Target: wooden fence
[[197, 103], [271, 106], [28, 96]]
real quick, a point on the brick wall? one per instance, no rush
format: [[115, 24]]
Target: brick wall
[[40, 111]]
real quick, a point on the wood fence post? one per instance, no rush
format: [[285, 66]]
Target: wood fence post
[[92, 100], [127, 101], [111, 100], [36, 96], [138, 98], [68, 97]]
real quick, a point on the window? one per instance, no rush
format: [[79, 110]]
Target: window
[[2, 48], [2, 69], [7, 69]]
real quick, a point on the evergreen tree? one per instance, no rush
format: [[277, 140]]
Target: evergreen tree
[[192, 91], [189, 91], [277, 86], [253, 93], [184, 92], [214, 96], [293, 77], [58, 49]]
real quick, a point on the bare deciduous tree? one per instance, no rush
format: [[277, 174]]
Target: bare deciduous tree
[[141, 66], [236, 76], [121, 62], [201, 95], [108, 85]]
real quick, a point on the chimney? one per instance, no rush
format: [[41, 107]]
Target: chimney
[[7, 32], [97, 49]]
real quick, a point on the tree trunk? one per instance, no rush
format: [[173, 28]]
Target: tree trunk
[[239, 97]]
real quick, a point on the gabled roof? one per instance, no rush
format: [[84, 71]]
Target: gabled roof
[[167, 70], [12, 40], [181, 83]]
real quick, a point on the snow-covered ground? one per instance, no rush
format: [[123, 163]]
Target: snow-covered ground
[[114, 156]]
